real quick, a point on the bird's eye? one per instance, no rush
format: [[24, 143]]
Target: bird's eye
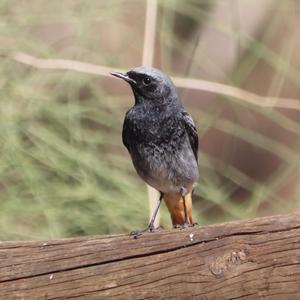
[[147, 81]]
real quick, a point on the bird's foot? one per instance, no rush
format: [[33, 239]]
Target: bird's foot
[[185, 225], [150, 228]]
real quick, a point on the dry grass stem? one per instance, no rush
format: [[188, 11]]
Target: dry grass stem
[[197, 84]]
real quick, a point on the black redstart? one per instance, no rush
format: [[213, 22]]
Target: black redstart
[[162, 140]]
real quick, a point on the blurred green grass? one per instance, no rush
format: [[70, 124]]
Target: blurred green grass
[[63, 168], [59, 175]]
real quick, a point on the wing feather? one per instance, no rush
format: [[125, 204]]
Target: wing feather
[[191, 131]]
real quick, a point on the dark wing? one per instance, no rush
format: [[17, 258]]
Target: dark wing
[[126, 134], [191, 131]]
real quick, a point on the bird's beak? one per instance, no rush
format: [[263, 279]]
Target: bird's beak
[[123, 76]]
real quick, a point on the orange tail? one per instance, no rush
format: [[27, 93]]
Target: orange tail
[[174, 203]]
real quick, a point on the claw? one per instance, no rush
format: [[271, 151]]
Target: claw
[[137, 233], [184, 225]]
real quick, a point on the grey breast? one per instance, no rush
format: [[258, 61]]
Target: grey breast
[[166, 167]]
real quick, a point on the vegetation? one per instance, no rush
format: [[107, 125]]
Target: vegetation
[[63, 168]]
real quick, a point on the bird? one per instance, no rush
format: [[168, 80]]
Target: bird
[[162, 140]]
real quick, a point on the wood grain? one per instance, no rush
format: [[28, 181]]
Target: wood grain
[[256, 259]]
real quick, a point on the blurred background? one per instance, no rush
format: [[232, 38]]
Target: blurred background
[[63, 168]]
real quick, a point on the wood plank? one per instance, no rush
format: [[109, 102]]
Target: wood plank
[[253, 259]]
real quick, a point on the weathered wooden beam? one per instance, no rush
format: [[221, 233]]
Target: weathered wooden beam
[[252, 259]]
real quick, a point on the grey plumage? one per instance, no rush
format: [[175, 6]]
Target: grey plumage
[[159, 134]]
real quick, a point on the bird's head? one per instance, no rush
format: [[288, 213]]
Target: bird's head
[[150, 85]]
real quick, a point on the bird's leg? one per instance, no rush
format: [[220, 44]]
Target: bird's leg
[[151, 224], [185, 212], [150, 227], [186, 223], [183, 193]]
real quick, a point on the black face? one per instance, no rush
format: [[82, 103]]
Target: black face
[[145, 85], [149, 85]]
